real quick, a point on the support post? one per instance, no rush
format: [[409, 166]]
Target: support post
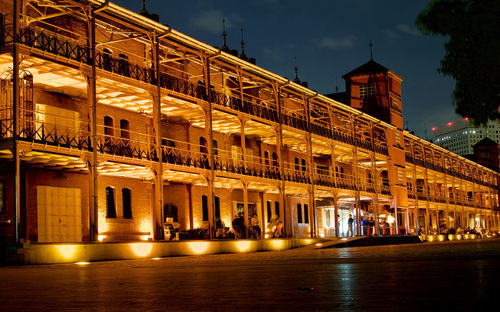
[[158, 142], [15, 123], [92, 98]]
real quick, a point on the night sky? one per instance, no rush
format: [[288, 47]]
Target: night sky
[[329, 39]]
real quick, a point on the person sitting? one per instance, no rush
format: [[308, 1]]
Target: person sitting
[[172, 228], [278, 231], [255, 228]]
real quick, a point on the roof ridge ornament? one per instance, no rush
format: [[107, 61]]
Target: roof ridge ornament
[[224, 48], [371, 51], [243, 55]]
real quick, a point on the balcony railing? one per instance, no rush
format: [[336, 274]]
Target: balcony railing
[[47, 41]]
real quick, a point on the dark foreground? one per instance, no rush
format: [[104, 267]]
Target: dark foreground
[[456, 276]]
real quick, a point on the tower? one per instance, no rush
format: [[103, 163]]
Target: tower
[[375, 90]]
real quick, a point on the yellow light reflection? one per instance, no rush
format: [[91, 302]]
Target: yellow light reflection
[[67, 251], [243, 245], [308, 241], [318, 244], [141, 249], [145, 225], [82, 263], [101, 237], [277, 244], [198, 247]]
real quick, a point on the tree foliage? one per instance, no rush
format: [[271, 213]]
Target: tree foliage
[[472, 56]]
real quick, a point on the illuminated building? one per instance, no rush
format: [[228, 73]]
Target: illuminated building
[[460, 136], [116, 123]]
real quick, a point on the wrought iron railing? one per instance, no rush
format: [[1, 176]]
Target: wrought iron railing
[[47, 41]]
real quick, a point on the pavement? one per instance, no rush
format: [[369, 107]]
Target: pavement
[[456, 275]]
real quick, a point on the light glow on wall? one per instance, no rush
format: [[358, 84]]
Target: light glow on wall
[[141, 249], [198, 247], [67, 251], [277, 244], [243, 246], [145, 225]]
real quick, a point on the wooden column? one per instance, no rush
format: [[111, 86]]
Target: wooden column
[[357, 192], [312, 202], [245, 206], [209, 133], [280, 152]]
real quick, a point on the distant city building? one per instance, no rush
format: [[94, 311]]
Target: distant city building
[[460, 136]]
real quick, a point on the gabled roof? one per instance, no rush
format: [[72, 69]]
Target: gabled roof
[[370, 67]]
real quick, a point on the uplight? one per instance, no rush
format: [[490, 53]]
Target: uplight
[[141, 249], [277, 244], [67, 251], [82, 263], [198, 247], [243, 245]]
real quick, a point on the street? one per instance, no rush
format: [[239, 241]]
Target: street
[[458, 275]]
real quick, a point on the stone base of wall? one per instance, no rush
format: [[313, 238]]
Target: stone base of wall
[[85, 252]]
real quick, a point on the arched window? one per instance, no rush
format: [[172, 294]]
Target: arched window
[[341, 172], [108, 126], [277, 209], [303, 165], [266, 158], [127, 203], [297, 167], [107, 60], [217, 207], [170, 211], [204, 206], [306, 213], [110, 202], [124, 129], [269, 211], [203, 145], [275, 159], [337, 171], [299, 213], [123, 68]]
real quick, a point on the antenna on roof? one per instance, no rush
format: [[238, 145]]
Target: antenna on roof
[[371, 52], [243, 55], [297, 80], [336, 85], [224, 36], [144, 5]]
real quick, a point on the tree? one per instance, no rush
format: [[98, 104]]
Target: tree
[[472, 56]]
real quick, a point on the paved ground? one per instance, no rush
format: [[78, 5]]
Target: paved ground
[[461, 275]]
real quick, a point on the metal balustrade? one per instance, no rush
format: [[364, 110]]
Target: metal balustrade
[[44, 133], [47, 41]]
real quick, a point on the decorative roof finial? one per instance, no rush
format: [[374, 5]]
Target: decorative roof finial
[[371, 52], [224, 36], [243, 55], [144, 5], [336, 85]]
